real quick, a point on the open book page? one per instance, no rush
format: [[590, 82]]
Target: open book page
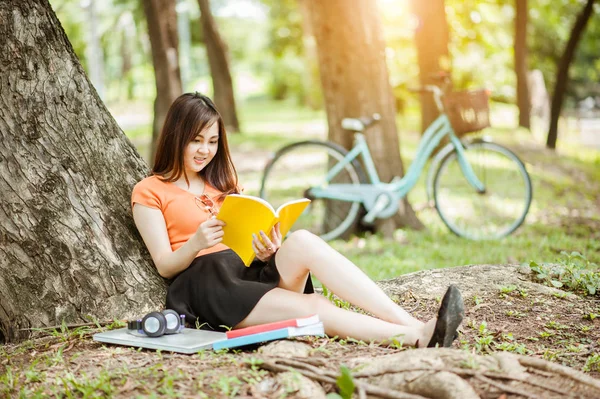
[[246, 215], [289, 212], [312, 329]]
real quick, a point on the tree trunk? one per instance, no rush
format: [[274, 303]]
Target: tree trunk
[[355, 83], [431, 39], [162, 28], [312, 93], [68, 245], [562, 76], [185, 42], [94, 53], [127, 37], [521, 70], [216, 50]]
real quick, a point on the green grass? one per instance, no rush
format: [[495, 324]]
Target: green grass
[[565, 186], [435, 248]]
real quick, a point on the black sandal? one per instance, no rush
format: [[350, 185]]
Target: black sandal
[[450, 315]]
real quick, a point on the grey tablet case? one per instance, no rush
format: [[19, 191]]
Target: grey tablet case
[[189, 340]]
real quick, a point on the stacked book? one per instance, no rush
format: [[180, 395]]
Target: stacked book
[[272, 331]]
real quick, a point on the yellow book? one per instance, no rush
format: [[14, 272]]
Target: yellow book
[[246, 215]]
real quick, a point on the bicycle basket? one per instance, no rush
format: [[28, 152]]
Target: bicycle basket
[[468, 111]]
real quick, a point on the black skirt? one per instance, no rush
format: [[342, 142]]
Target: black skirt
[[217, 291]]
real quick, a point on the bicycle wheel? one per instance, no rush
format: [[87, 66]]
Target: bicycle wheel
[[300, 166], [494, 213]]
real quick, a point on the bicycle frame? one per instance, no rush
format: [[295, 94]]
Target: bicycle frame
[[381, 199]]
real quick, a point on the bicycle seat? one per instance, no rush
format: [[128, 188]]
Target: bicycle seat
[[360, 124]]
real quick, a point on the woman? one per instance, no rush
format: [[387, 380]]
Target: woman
[[172, 211]]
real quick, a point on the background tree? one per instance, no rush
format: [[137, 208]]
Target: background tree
[[521, 69], [216, 51], [95, 53], [69, 248], [161, 18], [293, 54], [355, 83], [562, 76], [431, 39], [312, 95]]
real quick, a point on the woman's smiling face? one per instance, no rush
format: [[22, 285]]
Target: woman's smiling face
[[201, 150]]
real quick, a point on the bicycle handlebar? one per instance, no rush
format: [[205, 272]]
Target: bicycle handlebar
[[436, 90]]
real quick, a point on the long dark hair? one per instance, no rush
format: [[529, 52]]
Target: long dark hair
[[189, 115]]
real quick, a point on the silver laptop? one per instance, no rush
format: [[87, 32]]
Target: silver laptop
[[189, 340]]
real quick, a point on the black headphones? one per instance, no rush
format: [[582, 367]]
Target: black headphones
[[155, 324]]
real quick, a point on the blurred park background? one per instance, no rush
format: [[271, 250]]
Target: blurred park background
[[140, 54]]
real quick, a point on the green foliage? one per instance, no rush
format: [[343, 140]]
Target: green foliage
[[481, 45], [340, 303], [285, 27], [515, 314], [485, 339], [508, 289], [513, 347], [592, 363], [87, 387], [291, 74], [8, 381], [345, 384], [551, 23], [397, 341], [287, 78], [266, 45], [228, 386], [573, 273]]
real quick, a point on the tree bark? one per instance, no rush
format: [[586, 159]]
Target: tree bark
[[521, 69], [216, 50], [562, 76], [431, 39], [164, 41], [68, 245], [355, 83]]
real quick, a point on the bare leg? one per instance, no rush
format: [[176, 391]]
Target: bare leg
[[303, 252], [279, 304]]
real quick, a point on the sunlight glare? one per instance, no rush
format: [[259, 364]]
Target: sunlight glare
[[394, 7]]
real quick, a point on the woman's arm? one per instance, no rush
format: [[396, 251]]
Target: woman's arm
[[153, 229]]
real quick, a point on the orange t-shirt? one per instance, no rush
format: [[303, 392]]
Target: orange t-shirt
[[182, 215]]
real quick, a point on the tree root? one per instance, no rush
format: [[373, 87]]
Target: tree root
[[558, 369], [470, 373], [506, 388], [316, 369], [280, 365]]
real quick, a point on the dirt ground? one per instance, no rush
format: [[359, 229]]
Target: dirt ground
[[561, 328]]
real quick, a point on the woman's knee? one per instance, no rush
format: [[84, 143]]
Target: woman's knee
[[302, 240], [317, 303]]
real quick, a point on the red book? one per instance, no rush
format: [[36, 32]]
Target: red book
[[301, 322]]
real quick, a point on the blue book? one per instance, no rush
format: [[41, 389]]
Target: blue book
[[312, 329]]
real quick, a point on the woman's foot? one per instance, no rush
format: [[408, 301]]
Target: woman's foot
[[450, 315], [427, 333]]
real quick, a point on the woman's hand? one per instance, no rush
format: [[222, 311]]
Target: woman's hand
[[209, 233], [268, 246]]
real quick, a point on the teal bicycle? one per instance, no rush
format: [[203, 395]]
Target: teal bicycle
[[480, 189]]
